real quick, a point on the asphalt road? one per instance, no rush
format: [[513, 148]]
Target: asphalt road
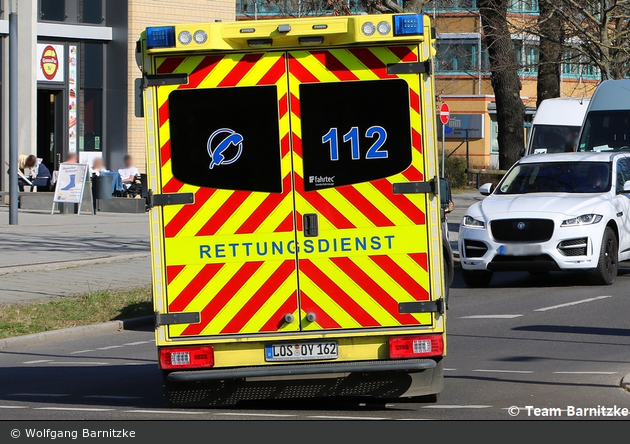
[[546, 342]]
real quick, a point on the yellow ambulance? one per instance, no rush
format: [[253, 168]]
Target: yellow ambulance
[[294, 208]]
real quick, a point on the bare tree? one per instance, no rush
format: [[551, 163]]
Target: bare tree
[[391, 6], [551, 32], [505, 80]]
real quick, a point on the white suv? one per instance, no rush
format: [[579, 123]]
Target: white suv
[[551, 212]]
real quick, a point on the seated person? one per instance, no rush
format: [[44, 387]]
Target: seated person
[[98, 169], [25, 162], [129, 174], [597, 178], [42, 176]]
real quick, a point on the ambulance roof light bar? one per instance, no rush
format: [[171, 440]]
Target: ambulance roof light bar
[[160, 37], [408, 25]]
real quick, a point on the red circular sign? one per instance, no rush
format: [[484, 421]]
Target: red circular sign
[[445, 113], [49, 62]]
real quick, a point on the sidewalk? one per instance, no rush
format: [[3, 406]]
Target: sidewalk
[[60, 255]]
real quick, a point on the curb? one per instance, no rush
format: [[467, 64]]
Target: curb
[[60, 265], [76, 332], [625, 382]]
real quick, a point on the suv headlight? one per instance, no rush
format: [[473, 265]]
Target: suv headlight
[[585, 219], [471, 222]]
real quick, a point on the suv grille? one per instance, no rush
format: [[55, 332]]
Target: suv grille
[[573, 247], [522, 230]]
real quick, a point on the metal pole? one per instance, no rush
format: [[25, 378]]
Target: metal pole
[[443, 150], [467, 151], [13, 128]]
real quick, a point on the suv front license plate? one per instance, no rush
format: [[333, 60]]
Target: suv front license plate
[[520, 250], [301, 351]]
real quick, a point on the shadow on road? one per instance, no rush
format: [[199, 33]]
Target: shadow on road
[[570, 329]]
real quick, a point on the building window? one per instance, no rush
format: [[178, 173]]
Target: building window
[[576, 65], [461, 56], [52, 10], [527, 56], [91, 11], [91, 97]]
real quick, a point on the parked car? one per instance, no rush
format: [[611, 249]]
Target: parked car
[[607, 123], [551, 212], [557, 125]]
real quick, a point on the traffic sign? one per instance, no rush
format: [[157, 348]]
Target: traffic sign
[[445, 113]]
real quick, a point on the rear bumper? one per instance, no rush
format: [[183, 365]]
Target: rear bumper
[[330, 368]]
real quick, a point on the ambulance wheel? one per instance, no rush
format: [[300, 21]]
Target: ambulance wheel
[[477, 278], [608, 264]]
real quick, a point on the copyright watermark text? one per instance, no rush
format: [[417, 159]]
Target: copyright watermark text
[[600, 411], [72, 434]]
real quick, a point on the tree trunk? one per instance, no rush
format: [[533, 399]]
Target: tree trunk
[[505, 81], [550, 47]]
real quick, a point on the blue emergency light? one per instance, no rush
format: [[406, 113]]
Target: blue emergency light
[[161, 37], [408, 24]]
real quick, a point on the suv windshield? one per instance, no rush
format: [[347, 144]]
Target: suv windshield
[[560, 177], [606, 131], [553, 138]]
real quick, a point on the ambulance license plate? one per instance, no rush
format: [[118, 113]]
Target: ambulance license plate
[[301, 351]]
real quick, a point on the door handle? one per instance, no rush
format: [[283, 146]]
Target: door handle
[[311, 225]]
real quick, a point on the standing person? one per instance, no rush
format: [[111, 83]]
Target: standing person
[[129, 173]]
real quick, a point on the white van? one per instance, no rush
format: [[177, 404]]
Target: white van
[[557, 125], [607, 123]]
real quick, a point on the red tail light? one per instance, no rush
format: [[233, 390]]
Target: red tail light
[[416, 346], [173, 358]]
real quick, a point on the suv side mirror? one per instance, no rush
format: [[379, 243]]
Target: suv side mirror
[[446, 196], [486, 189], [626, 186]]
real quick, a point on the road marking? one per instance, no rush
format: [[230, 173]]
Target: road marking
[[13, 407], [568, 304], [507, 316], [444, 406], [81, 351], [168, 412], [585, 373], [504, 371], [272, 415], [109, 347], [346, 417], [77, 363], [450, 369], [137, 343], [39, 361], [47, 395], [74, 409], [139, 363], [112, 397]]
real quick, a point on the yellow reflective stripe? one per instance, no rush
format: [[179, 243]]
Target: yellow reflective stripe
[[277, 216], [327, 304], [260, 69], [272, 305], [212, 205], [170, 211], [305, 207], [182, 280], [391, 211]]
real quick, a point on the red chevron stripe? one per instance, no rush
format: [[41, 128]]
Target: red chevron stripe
[[414, 100], [165, 152], [368, 285], [372, 62], [275, 73], [223, 297], [401, 201], [286, 225], [194, 287], [297, 144], [170, 65], [241, 69], [255, 303], [201, 71], [416, 140], [412, 174], [421, 259], [367, 208], [404, 53], [403, 279], [277, 319], [163, 113], [298, 71], [323, 207], [263, 211], [186, 213], [333, 65], [285, 146], [283, 106], [172, 271], [295, 105], [219, 218], [346, 302], [172, 186], [323, 319]]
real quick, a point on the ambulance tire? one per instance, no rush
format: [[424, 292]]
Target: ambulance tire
[[477, 278]]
